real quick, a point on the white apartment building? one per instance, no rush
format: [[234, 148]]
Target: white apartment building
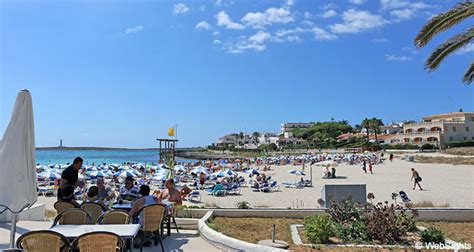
[[438, 129], [289, 127]]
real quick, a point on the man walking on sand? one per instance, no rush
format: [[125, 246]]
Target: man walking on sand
[[417, 178]]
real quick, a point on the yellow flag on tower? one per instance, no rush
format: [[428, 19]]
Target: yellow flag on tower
[[171, 131]]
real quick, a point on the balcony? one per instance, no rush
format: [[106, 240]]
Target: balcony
[[423, 134]]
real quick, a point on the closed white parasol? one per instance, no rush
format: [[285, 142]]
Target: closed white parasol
[[17, 161]]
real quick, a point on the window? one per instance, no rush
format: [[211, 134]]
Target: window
[[445, 128], [454, 128], [467, 128], [472, 138], [472, 119], [465, 138], [450, 138]]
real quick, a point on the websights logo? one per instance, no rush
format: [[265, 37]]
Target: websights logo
[[448, 245]]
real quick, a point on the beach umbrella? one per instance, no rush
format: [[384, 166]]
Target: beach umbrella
[[200, 169], [326, 163], [296, 172], [137, 173], [96, 174], [49, 174], [160, 176], [179, 168], [18, 182], [253, 171], [124, 174]]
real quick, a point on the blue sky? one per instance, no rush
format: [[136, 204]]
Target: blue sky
[[119, 73]]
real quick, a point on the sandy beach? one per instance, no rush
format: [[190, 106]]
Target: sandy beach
[[443, 185]]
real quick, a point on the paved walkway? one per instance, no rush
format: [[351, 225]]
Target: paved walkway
[[187, 240]]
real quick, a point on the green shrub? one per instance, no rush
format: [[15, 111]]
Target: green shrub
[[428, 146], [433, 235], [400, 147], [344, 212], [406, 222], [319, 228], [243, 205], [355, 232], [460, 144], [382, 224]]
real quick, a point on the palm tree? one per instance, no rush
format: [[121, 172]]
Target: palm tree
[[375, 124], [256, 135], [440, 23], [366, 125]]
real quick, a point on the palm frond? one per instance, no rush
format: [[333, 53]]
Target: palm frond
[[446, 48], [469, 74], [444, 21]]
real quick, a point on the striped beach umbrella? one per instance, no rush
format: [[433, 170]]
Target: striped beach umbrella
[[124, 174], [49, 175], [296, 172], [95, 174], [179, 168], [200, 169]]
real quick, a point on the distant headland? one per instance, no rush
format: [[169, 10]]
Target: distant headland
[[91, 148]]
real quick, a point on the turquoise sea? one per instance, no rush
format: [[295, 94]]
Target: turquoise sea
[[99, 156]]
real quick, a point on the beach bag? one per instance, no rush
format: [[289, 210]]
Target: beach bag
[[418, 179]]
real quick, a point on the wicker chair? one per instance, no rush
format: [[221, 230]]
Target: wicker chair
[[114, 217], [94, 209], [63, 205], [43, 241], [73, 216], [98, 241], [152, 219]]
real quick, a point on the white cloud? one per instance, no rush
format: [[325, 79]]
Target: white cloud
[[259, 20], [379, 40], [216, 41], [399, 4], [290, 2], [466, 49], [390, 57], [282, 33], [307, 15], [135, 29], [320, 34], [202, 8], [203, 25], [260, 37], [255, 42], [329, 6], [402, 14], [357, 1], [218, 2], [280, 15], [329, 13], [216, 33], [294, 38], [403, 9], [356, 21], [180, 8], [224, 20]]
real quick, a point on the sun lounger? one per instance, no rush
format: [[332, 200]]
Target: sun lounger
[[194, 195], [233, 190]]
